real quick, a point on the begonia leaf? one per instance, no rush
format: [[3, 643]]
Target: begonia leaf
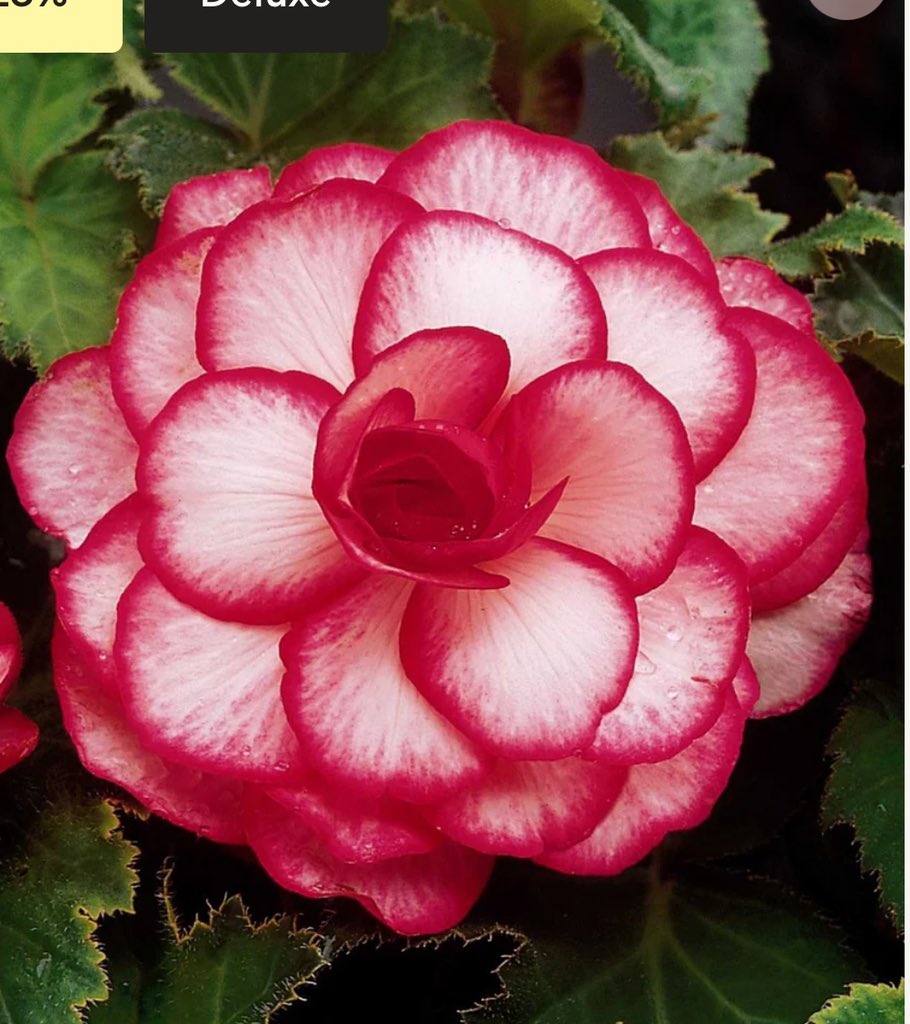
[[866, 1004], [866, 789], [639, 948], [75, 868], [65, 247], [706, 189], [224, 970], [284, 104]]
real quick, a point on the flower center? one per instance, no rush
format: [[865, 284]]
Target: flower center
[[426, 481]]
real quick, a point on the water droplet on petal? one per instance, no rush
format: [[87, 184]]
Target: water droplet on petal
[[505, 223], [73, 470], [644, 666], [282, 766], [674, 634], [246, 751]]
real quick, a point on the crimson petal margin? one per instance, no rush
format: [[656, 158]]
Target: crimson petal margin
[[281, 285], [71, 455], [358, 717], [10, 651], [232, 527], [18, 737], [528, 671], [210, 201], [549, 188], [413, 895], [349, 160], [449, 269]]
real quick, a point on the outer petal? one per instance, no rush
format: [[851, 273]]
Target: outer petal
[[630, 492], [796, 648], [668, 323], [18, 737], [71, 455], [523, 808], [799, 457], [281, 285], [357, 715], [232, 527], [669, 232], [349, 160], [527, 671], [358, 829], [693, 635], [455, 269], [412, 895], [550, 188], [659, 798], [89, 585], [818, 561], [10, 651], [153, 347], [108, 748], [210, 201], [199, 691], [749, 283]]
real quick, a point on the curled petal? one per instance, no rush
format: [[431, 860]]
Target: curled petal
[[349, 160], [210, 201], [749, 283]]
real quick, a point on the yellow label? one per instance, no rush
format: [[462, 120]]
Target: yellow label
[[61, 26]]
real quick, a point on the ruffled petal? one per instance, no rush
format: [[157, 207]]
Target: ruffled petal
[[210, 201], [749, 283], [199, 691], [630, 487], [153, 347], [527, 671], [798, 458], [693, 635], [795, 649], [71, 455], [668, 323], [349, 160], [357, 715], [455, 269], [413, 895], [108, 747], [232, 527], [281, 285], [18, 737]]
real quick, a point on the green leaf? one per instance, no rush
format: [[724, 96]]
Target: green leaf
[[706, 190], [851, 231], [281, 105], [76, 867], [866, 789], [159, 147], [64, 257], [866, 1004], [225, 970], [47, 103]]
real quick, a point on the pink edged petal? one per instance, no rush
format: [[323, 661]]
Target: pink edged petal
[[547, 187], [675, 794], [211, 201], [523, 808], [349, 160], [357, 715], [153, 347], [199, 691], [10, 651], [281, 285], [748, 283], [795, 649], [693, 635], [669, 232], [358, 829], [798, 458], [18, 737], [527, 671], [621, 444], [71, 456], [668, 323], [89, 585], [108, 747], [232, 527], [817, 562], [454, 269], [413, 895]]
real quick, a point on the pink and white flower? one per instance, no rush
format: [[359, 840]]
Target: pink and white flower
[[438, 506], [18, 734]]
